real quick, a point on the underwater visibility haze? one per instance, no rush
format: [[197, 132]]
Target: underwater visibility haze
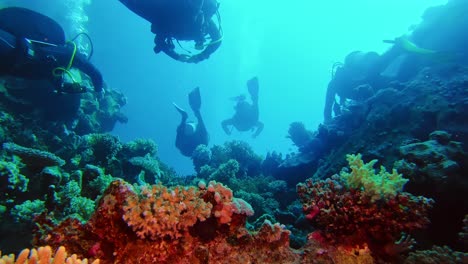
[[220, 131]]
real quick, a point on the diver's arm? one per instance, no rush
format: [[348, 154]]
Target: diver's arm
[[176, 56], [216, 38]]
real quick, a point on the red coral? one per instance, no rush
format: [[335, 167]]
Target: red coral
[[349, 217]]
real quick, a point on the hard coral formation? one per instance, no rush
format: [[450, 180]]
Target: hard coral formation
[[158, 212], [43, 255], [438, 159], [299, 135], [347, 214], [34, 157]]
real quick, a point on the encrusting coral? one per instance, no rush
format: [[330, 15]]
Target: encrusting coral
[[43, 255]]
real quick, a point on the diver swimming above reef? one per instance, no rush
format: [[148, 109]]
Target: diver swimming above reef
[[189, 134], [180, 20], [246, 115], [33, 47]]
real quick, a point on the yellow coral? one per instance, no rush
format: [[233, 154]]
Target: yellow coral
[[43, 255], [383, 185], [158, 211]]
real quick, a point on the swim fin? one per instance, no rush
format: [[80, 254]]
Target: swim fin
[[195, 99], [252, 86]]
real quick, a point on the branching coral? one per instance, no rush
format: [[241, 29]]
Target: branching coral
[[43, 255]]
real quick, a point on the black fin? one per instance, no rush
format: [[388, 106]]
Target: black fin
[[252, 86], [195, 99]]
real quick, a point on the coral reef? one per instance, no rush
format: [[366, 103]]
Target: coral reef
[[249, 162], [214, 231]]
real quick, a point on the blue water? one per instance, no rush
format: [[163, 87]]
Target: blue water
[[290, 45]]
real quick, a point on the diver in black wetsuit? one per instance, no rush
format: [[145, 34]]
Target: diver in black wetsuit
[[181, 20], [32, 46], [246, 115], [189, 134]]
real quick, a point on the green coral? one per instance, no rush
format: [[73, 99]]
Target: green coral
[[80, 208], [140, 147], [26, 211], [383, 185], [11, 177], [74, 204], [104, 147], [101, 182]]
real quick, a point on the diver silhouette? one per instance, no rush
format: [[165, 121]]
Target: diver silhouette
[[181, 20], [246, 116], [190, 135]]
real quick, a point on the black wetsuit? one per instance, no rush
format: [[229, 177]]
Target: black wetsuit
[[33, 45], [188, 143], [180, 20]]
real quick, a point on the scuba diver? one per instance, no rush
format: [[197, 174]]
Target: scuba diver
[[189, 134], [246, 115], [33, 47], [181, 20], [357, 79], [363, 73]]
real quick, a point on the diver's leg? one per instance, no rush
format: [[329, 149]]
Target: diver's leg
[[259, 126], [182, 112]]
